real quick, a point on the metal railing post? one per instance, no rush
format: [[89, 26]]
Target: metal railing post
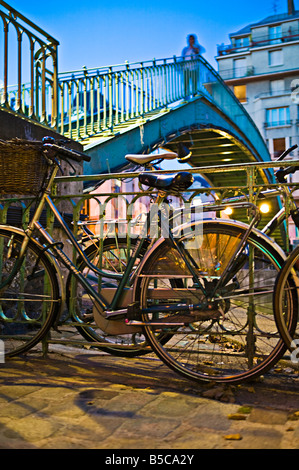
[[42, 48]]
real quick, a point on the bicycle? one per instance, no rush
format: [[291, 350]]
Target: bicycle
[[207, 309], [285, 298], [286, 292]]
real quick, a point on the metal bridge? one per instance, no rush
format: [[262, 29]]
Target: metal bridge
[[128, 108]]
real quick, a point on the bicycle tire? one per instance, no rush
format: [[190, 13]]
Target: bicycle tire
[[28, 306], [285, 300], [109, 254], [215, 349]]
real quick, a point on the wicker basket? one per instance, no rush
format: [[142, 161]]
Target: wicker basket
[[23, 168]]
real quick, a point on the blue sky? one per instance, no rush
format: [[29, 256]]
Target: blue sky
[[96, 33]]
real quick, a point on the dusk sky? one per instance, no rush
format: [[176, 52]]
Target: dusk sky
[[98, 33]]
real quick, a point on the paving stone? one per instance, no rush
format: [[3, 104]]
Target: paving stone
[[170, 407], [184, 438], [86, 428], [21, 408], [213, 415], [31, 429], [126, 443], [139, 428], [123, 405], [263, 416], [63, 410], [101, 394], [65, 442], [51, 393], [14, 391], [266, 438], [296, 433]]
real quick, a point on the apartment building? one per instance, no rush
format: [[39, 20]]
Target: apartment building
[[261, 66]]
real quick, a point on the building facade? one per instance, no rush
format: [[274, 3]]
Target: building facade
[[261, 66]]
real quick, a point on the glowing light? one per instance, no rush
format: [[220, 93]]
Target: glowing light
[[228, 211], [264, 208]]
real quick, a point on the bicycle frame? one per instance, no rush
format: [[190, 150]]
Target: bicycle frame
[[56, 249]]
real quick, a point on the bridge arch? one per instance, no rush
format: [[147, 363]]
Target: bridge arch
[[214, 138]]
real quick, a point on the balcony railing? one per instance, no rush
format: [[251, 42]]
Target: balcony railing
[[250, 71], [281, 122], [258, 42], [270, 94], [238, 72]]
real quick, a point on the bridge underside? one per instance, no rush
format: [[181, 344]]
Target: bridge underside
[[211, 136]]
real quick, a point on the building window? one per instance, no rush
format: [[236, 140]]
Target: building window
[[240, 93], [276, 86], [275, 34], [242, 42], [277, 117], [239, 68], [279, 146], [275, 58]]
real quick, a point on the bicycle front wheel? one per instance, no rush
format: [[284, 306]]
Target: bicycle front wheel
[[30, 303], [236, 338], [285, 300]]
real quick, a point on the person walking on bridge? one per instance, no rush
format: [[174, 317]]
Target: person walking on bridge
[[191, 70]]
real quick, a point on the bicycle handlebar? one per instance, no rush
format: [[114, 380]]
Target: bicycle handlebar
[[280, 174], [63, 152], [286, 152]]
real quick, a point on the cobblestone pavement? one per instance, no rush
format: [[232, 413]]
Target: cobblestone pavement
[[85, 400]]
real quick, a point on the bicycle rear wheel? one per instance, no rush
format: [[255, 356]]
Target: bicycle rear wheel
[[237, 338], [30, 303], [285, 299]]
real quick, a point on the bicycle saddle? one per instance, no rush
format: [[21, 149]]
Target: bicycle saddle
[[143, 159], [180, 181]]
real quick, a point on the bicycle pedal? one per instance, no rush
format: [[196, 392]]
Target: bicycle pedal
[[87, 317], [133, 311]]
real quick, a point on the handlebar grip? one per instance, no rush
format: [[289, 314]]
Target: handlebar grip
[[67, 153]]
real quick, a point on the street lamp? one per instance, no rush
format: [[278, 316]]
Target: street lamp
[[228, 211], [264, 208]]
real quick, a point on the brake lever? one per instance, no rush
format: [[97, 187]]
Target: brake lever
[[286, 152]]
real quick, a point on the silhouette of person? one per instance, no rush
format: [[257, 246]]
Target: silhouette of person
[[191, 70]]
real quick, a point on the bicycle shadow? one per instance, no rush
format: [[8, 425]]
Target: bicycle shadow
[[87, 372], [83, 398]]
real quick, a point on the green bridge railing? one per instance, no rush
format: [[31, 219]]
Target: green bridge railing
[[29, 56], [91, 102]]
